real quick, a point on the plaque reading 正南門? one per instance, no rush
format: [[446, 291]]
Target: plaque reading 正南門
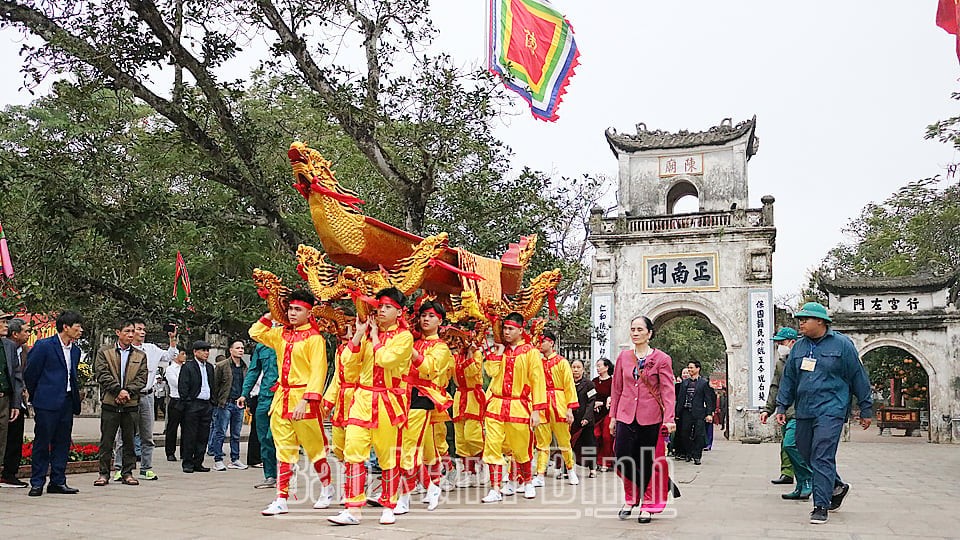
[[681, 272]]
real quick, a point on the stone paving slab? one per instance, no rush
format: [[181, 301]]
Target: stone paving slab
[[903, 490]]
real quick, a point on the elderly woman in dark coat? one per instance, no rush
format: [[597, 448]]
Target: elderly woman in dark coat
[[581, 430]]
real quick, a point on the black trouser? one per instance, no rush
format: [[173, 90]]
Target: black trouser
[[14, 451], [693, 434], [196, 431], [111, 418], [174, 418], [253, 443], [585, 446], [635, 446]]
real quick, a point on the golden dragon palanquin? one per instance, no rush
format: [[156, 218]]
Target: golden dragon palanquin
[[376, 256], [351, 239]]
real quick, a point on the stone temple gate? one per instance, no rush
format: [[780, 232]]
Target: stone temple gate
[[714, 263], [917, 315]]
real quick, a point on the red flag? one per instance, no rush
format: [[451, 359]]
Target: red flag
[[948, 15], [181, 283]]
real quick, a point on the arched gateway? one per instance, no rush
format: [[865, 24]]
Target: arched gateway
[[715, 263], [915, 314]]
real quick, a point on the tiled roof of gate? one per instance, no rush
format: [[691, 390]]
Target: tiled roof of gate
[[645, 139], [918, 283]]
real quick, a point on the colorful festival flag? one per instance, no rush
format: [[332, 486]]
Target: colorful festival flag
[[533, 51], [181, 282], [6, 267], [948, 15]]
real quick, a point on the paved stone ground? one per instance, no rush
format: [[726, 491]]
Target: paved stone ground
[[900, 489]]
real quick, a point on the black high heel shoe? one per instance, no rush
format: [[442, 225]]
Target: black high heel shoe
[[624, 513], [644, 517]]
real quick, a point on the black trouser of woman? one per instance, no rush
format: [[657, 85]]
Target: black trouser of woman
[[585, 447], [253, 444], [635, 446]]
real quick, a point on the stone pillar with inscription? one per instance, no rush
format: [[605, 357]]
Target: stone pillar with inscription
[[714, 263]]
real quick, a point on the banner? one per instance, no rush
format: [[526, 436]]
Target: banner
[[531, 48]]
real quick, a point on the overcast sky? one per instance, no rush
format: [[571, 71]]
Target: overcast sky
[[842, 91]]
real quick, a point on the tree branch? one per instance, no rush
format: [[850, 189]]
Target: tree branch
[[354, 121], [149, 13], [232, 177]]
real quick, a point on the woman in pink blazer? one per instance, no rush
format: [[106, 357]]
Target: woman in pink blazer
[[641, 401]]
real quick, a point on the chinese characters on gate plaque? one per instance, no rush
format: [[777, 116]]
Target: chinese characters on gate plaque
[[674, 165], [686, 272], [887, 303]]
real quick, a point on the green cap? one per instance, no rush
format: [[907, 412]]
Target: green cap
[[785, 332], [813, 309]]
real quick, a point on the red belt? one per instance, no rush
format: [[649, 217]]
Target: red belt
[[380, 389]]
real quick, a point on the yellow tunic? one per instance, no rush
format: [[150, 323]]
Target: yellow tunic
[[301, 365], [561, 390], [517, 384], [431, 374], [469, 401], [380, 369]]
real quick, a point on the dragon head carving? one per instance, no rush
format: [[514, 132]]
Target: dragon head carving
[[271, 288]]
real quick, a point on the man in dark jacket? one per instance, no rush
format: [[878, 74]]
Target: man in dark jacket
[[696, 402], [196, 390], [11, 383], [18, 333], [121, 371], [51, 381]]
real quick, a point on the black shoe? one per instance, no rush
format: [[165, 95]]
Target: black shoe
[[644, 517], [688, 458], [624, 512], [839, 492], [62, 490], [171, 458], [201, 468], [819, 515], [36, 491], [188, 470], [13, 482], [696, 461], [784, 479], [795, 495]]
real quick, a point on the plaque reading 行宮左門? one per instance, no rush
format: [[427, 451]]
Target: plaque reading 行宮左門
[[681, 272]]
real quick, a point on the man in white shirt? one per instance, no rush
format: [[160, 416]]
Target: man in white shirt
[[155, 356], [174, 414]]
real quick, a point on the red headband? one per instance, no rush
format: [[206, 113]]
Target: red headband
[[431, 310], [389, 301], [302, 304], [544, 338], [512, 323]]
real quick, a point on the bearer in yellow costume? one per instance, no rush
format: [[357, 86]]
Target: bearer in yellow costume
[[340, 393], [468, 406], [556, 420], [516, 371], [295, 418], [379, 406], [438, 423], [427, 394]]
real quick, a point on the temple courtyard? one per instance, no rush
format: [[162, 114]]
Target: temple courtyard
[[901, 488]]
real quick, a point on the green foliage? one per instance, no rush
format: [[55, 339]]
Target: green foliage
[[692, 338], [104, 180], [915, 229]]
